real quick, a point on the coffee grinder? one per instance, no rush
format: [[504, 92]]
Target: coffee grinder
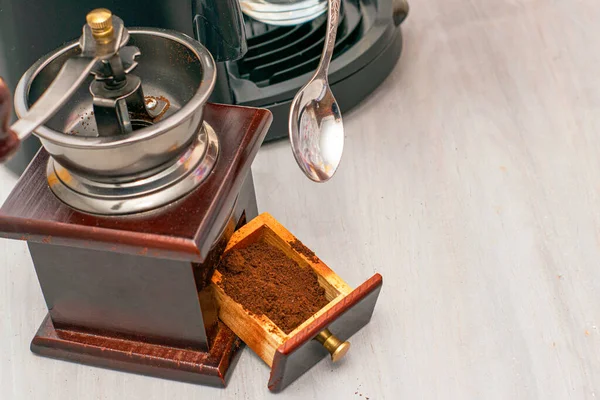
[[129, 204], [140, 187]]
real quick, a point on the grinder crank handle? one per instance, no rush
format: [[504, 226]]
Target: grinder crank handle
[[69, 78], [9, 141], [103, 36]]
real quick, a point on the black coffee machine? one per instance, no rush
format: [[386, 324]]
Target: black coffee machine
[[258, 64]]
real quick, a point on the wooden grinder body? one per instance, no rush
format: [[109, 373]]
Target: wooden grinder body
[[128, 292]]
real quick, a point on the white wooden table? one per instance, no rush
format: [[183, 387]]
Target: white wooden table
[[471, 182]]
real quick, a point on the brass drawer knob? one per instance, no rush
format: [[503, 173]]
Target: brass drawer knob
[[333, 345]]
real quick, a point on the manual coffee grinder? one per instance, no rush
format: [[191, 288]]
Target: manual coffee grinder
[[134, 197]]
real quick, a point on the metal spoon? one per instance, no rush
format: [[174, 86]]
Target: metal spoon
[[315, 124]]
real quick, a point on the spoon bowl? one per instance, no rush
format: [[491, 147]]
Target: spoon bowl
[[317, 131]]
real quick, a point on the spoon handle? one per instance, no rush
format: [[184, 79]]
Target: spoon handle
[[333, 16]]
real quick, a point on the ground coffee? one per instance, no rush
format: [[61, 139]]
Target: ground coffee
[[265, 281], [302, 249]]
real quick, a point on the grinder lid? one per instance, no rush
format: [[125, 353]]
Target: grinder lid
[[129, 134]]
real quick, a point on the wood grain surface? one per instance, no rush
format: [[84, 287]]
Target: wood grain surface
[[470, 181]]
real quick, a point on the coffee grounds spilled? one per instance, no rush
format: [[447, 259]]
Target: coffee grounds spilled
[[305, 251], [265, 281]]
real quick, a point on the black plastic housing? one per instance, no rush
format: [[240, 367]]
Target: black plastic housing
[[280, 60]]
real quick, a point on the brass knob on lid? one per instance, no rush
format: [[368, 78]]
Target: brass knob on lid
[[333, 345], [100, 21]]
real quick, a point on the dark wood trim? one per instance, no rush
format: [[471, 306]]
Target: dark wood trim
[[184, 230], [187, 365]]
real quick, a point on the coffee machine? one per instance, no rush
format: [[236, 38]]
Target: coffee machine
[[257, 64]]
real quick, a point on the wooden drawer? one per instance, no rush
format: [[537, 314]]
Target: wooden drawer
[[290, 355]]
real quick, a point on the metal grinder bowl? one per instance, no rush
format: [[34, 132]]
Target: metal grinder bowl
[[171, 66]]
